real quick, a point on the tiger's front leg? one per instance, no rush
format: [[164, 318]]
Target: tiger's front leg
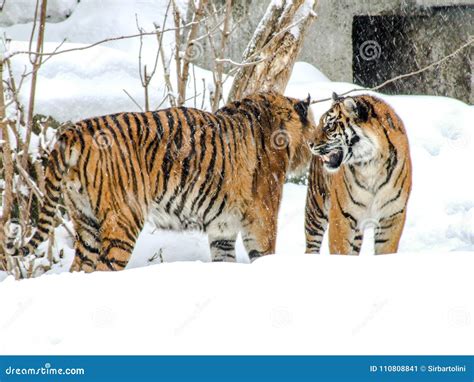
[[259, 233], [344, 236], [388, 233], [317, 207], [260, 219]]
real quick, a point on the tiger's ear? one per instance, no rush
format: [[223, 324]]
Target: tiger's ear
[[350, 105], [302, 108], [356, 109], [334, 97]]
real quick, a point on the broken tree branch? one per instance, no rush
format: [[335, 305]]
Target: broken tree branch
[[275, 46]]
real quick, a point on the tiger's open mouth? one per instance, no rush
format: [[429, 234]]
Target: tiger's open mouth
[[333, 160]]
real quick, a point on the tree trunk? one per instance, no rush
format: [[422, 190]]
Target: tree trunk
[[7, 164], [272, 52]]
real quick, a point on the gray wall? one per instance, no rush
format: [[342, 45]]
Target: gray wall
[[432, 29]]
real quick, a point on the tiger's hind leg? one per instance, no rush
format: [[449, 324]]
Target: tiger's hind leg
[[86, 225], [222, 247], [317, 207], [87, 245], [118, 232]]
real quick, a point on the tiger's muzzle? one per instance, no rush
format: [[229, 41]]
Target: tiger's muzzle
[[331, 156]]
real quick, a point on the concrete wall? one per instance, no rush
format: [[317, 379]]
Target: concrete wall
[[440, 28]]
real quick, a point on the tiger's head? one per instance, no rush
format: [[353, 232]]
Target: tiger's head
[[344, 134], [289, 125], [300, 127]]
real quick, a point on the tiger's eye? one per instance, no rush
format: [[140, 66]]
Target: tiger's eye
[[329, 127]]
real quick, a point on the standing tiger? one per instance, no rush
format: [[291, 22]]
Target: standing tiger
[[222, 173], [360, 176]]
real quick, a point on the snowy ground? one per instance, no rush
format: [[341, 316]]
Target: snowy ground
[[419, 301], [404, 304]]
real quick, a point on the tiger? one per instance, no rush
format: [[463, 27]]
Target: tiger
[[184, 169], [360, 176]]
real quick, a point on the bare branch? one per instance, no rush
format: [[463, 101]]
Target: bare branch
[[101, 42], [133, 99], [401, 76], [36, 65], [219, 65], [184, 74], [31, 184], [243, 64]]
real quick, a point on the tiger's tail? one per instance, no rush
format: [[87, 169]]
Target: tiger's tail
[[64, 155]]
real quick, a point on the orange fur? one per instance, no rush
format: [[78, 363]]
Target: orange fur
[[221, 173], [371, 185]]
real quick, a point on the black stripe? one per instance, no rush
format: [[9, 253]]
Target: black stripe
[[360, 204], [391, 162], [210, 169], [347, 215], [225, 245]]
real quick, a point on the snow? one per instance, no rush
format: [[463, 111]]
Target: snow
[[83, 83], [304, 72], [299, 304], [302, 14], [22, 11], [172, 300]]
